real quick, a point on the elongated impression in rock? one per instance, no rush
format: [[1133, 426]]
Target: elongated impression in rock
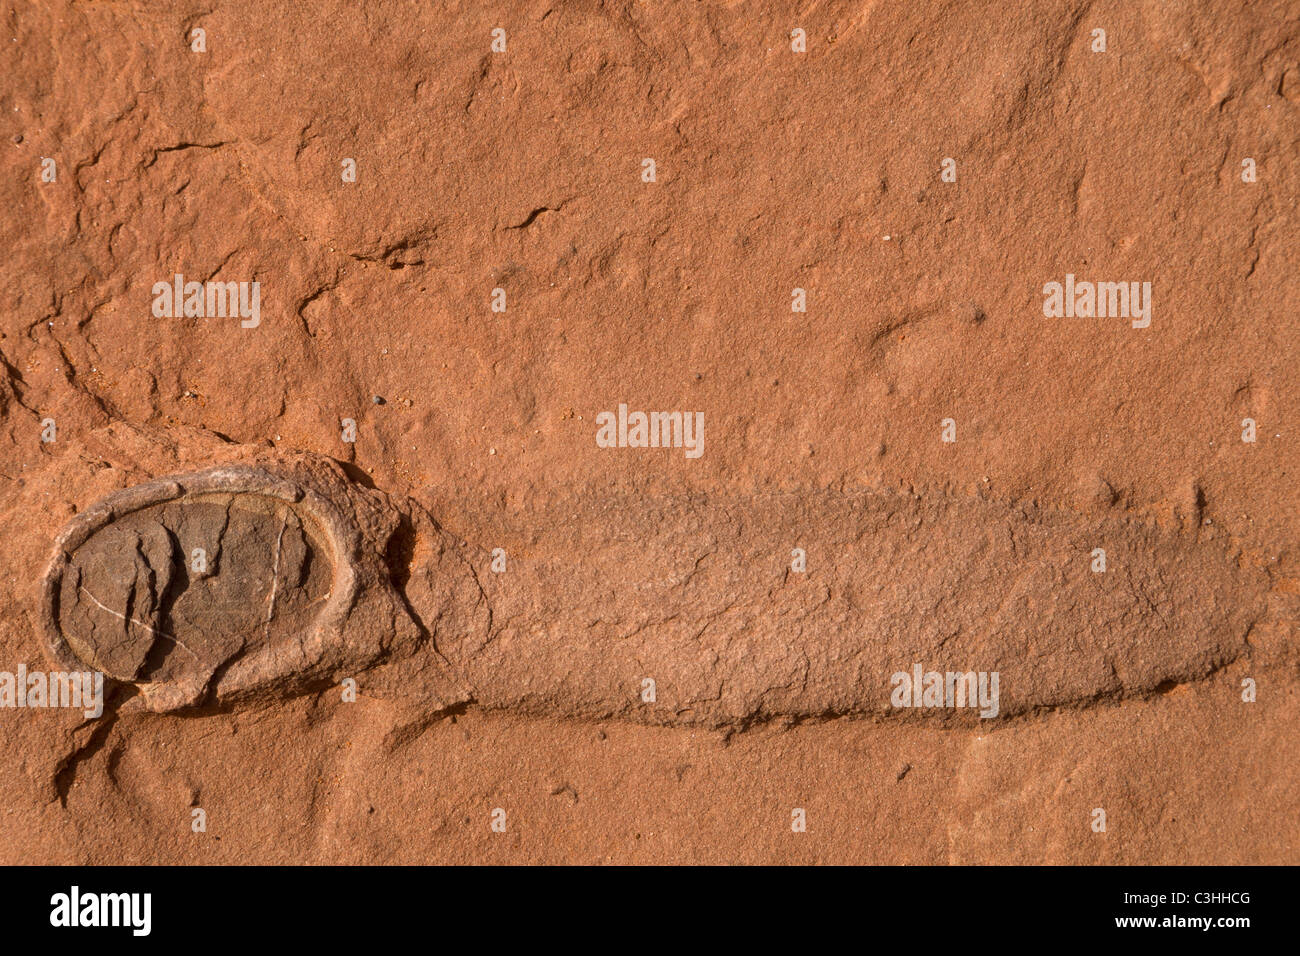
[[699, 595], [310, 578]]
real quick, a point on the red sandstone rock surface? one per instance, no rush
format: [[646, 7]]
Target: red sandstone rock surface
[[503, 271]]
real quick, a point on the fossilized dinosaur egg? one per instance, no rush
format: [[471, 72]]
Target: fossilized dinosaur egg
[[232, 576]]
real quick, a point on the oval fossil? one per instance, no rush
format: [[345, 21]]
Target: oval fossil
[[232, 576]]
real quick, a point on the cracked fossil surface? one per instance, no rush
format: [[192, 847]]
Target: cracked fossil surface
[[283, 575], [227, 583]]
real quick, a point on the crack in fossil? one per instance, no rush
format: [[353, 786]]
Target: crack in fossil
[[130, 620], [275, 578]]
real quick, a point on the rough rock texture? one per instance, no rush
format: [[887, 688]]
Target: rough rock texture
[[475, 430]]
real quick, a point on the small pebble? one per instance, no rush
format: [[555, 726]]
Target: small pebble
[[377, 399]]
